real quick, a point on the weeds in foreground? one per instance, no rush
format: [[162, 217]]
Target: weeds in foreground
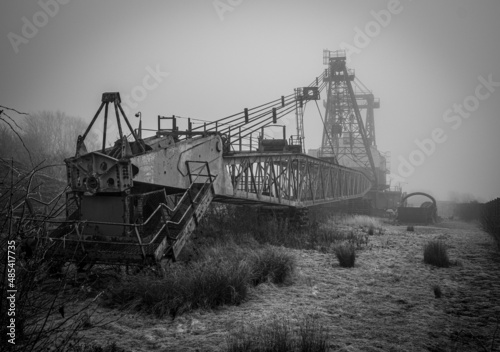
[[201, 285], [220, 277], [346, 255], [281, 336], [435, 253]]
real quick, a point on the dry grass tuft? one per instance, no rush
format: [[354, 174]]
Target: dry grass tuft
[[346, 255], [437, 291], [313, 337], [221, 276], [371, 230], [273, 265], [205, 284], [435, 253], [281, 336]]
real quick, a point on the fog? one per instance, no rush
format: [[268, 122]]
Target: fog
[[434, 66]]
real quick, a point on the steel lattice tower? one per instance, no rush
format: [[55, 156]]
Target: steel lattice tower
[[345, 140]]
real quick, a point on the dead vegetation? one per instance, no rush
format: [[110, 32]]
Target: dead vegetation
[[435, 253], [281, 335], [346, 255], [223, 275], [390, 300]]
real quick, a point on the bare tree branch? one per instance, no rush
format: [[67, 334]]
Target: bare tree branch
[[15, 123], [11, 109]]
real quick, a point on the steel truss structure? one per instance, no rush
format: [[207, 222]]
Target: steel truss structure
[[294, 180], [367, 101], [344, 139]]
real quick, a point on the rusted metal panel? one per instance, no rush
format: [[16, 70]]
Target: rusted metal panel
[[167, 166]]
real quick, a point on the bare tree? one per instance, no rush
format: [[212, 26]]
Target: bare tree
[[53, 136], [43, 137]]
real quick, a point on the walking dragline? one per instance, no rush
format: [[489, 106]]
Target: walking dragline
[[139, 200]]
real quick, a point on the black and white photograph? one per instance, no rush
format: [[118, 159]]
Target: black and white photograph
[[249, 175]]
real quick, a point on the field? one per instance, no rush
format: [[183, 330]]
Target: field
[[389, 301]]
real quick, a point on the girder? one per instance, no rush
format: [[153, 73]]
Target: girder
[[296, 180]]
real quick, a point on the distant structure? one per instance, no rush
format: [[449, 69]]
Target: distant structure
[[426, 213]]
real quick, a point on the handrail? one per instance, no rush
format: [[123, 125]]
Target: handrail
[[162, 205], [111, 223], [136, 226]]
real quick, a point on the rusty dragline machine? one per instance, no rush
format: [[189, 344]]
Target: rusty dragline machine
[[139, 200]]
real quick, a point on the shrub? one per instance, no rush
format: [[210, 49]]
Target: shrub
[[435, 253], [346, 255], [204, 284], [272, 264], [222, 275]]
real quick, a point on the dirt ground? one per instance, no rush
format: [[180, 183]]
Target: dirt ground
[[385, 303]]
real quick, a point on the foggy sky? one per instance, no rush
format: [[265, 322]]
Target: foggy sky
[[427, 58]]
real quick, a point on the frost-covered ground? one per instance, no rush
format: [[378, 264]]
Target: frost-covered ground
[[385, 303]]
